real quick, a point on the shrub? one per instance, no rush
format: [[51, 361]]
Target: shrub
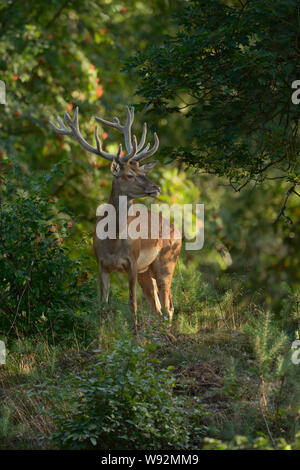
[[243, 443], [39, 282], [121, 402]]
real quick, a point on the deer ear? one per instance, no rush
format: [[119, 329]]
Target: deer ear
[[148, 166], [115, 167]]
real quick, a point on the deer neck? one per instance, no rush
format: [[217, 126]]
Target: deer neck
[[121, 205], [114, 198]]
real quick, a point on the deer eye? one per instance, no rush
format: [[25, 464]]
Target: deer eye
[[129, 176]]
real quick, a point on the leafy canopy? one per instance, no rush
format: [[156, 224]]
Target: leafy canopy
[[229, 69]]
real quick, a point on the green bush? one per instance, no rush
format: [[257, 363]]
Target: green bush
[[121, 402], [39, 282], [243, 443]]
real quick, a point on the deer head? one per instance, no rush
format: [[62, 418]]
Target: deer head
[[129, 177]]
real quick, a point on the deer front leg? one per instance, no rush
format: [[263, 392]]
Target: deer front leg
[[149, 286], [104, 284], [132, 278]]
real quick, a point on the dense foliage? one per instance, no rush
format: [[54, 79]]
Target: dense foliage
[[230, 68], [214, 79], [121, 402], [70, 54], [39, 283]]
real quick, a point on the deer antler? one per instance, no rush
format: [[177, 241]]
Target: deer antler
[[126, 131], [74, 131], [134, 149]]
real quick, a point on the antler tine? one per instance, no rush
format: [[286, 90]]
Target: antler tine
[[98, 141], [132, 154], [143, 138], [116, 125], [125, 130], [62, 129], [135, 151], [119, 153], [107, 156], [145, 153], [74, 131]]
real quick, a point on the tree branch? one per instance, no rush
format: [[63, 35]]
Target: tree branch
[[283, 208], [57, 14]]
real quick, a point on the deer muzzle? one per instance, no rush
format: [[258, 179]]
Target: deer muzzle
[[154, 191]]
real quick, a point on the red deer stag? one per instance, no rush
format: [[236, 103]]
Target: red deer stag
[[149, 260]]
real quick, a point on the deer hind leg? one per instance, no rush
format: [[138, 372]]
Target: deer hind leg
[[164, 286], [163, 270], [104, 284], [149, 287], [163, 275]]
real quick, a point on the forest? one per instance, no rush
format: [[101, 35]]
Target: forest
[[218, 81]]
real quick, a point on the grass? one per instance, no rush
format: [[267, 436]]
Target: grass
[[213, 348]]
